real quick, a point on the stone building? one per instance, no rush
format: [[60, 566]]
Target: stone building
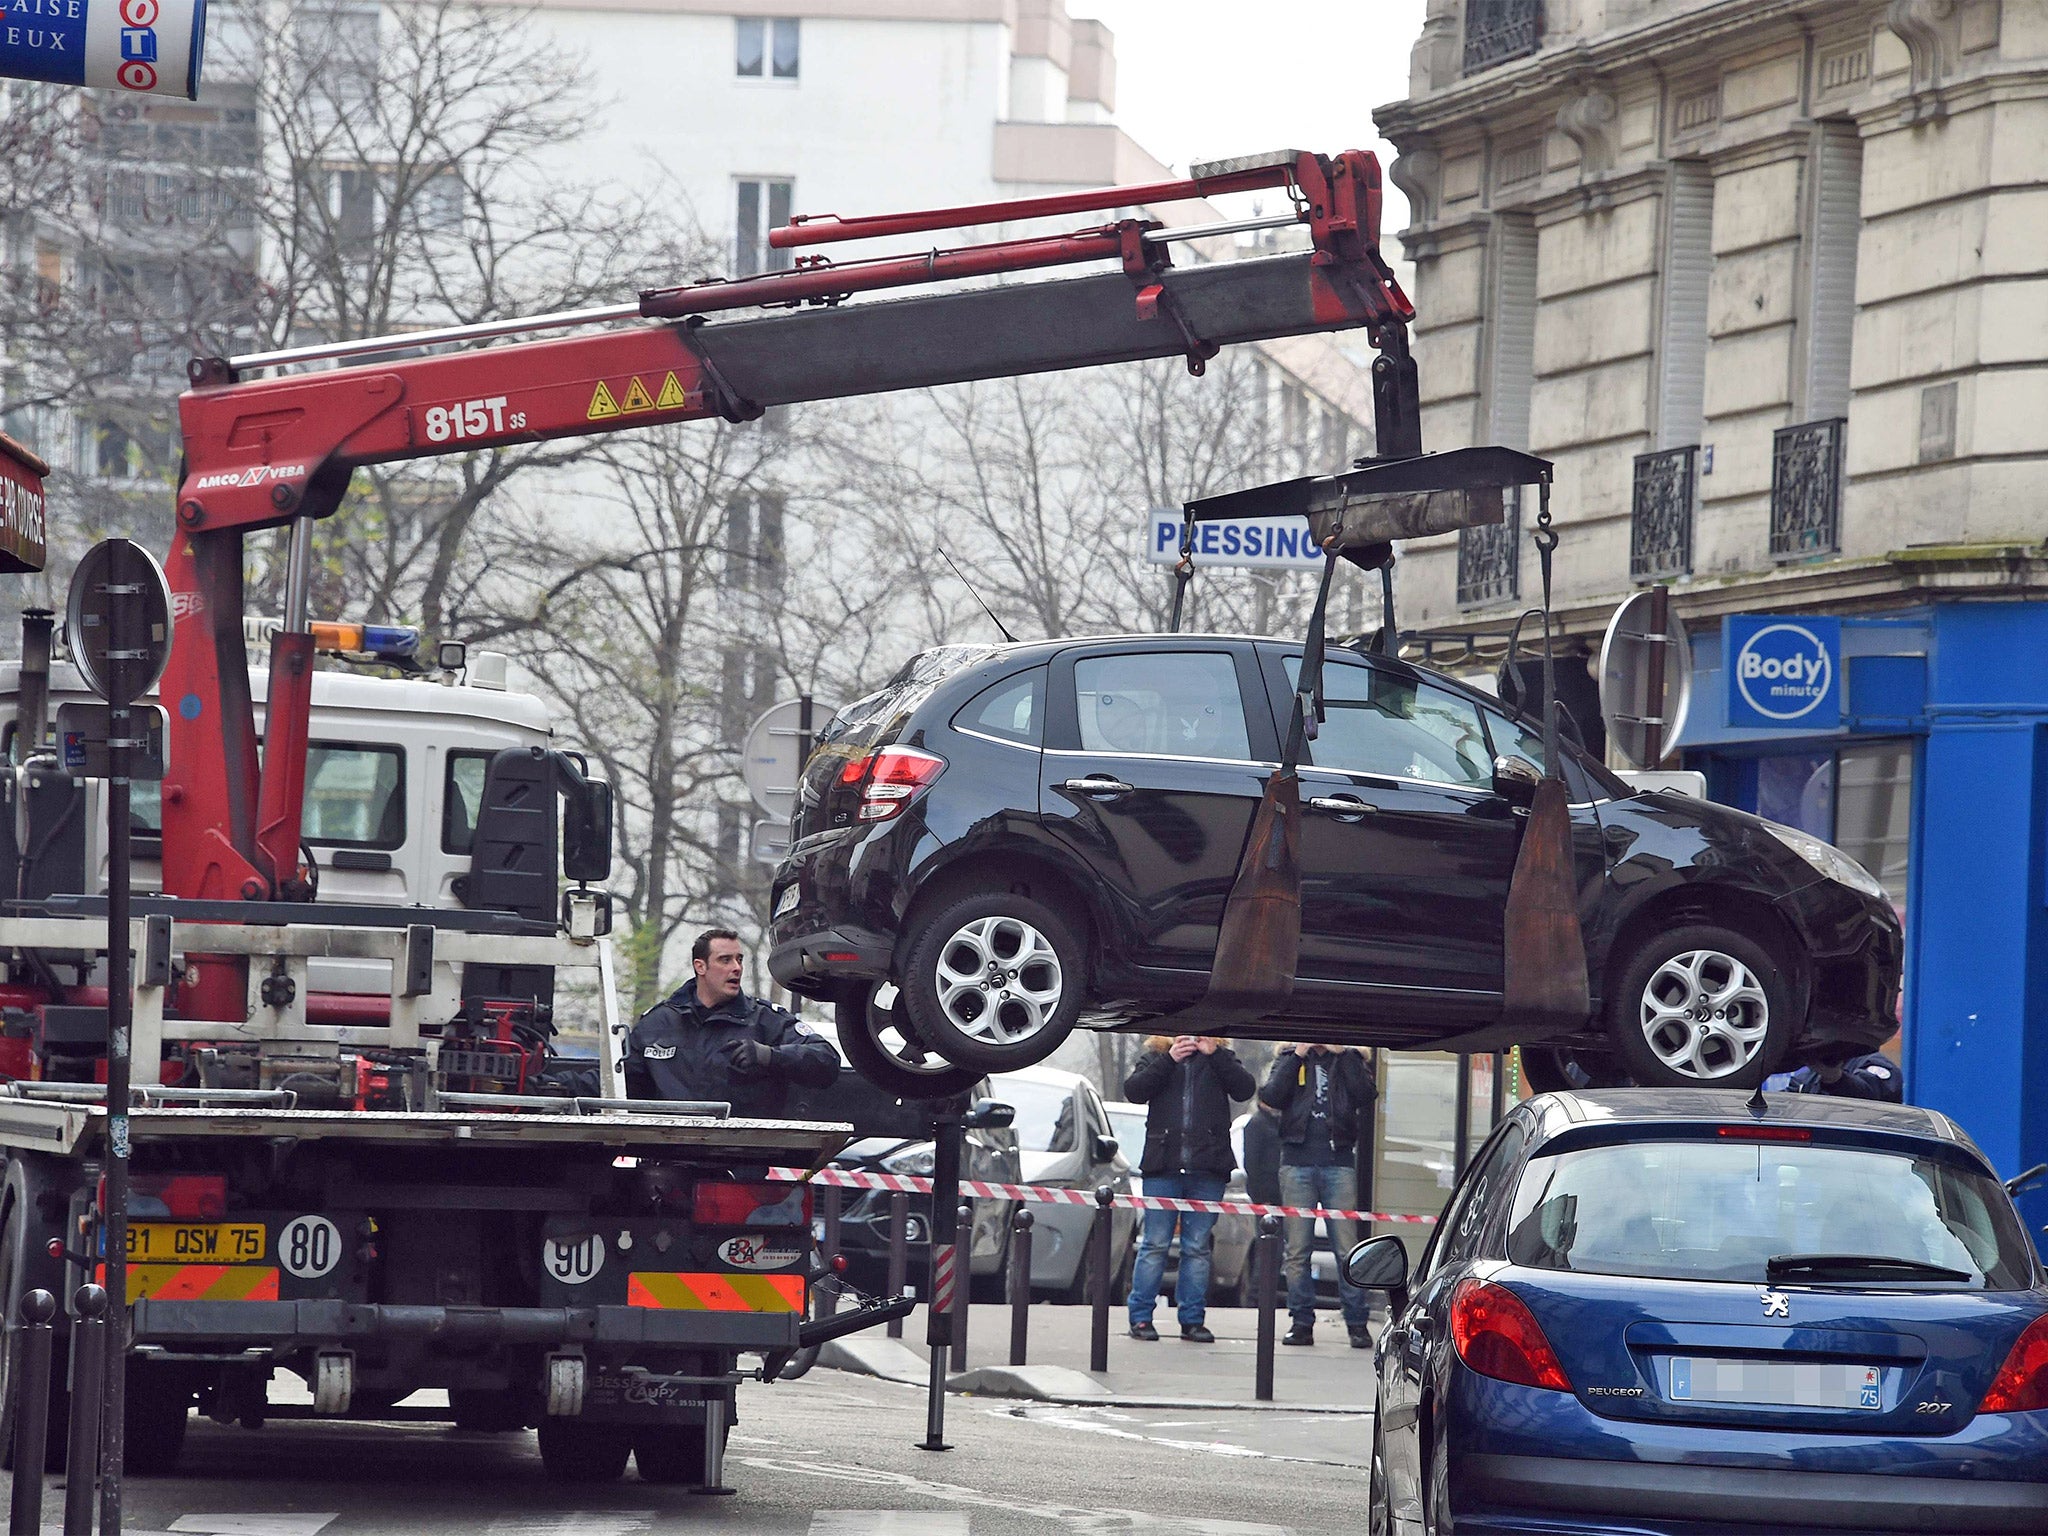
[[1765, 278]]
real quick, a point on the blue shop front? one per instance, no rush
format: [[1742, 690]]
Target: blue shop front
[[1917, 742]]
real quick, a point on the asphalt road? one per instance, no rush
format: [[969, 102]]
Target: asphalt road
[[832, 1455]]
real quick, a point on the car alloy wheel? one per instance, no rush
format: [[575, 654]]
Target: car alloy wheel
[[999, 980], [994, 981], [880, 1045], [1704, 1014]]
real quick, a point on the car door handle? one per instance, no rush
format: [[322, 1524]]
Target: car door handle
[[1341, 805], [1098, 784]]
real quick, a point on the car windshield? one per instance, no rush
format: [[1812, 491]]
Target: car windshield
[[1045, 1115], [1128, 1127], [1722, 1210]]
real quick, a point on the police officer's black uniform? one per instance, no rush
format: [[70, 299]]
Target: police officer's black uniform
[[745, 1051]]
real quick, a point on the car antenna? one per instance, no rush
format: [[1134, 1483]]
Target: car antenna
[[1756, 1105], [1012, 639]]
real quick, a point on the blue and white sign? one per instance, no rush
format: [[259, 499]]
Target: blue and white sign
[[1783, 673], [147, 47], [1243, 543]]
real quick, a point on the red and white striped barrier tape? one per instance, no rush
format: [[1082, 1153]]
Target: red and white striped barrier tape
[[908, 1184]]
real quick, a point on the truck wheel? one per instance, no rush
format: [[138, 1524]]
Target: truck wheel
[[485, 1410], [1701, 1007], [670, 1453], [881, 1048], [994, 980], [583, 1450], [159, 1404]]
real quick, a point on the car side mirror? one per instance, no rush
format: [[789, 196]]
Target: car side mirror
[[1515, 778], [2020, 1183], [1105, 1149], [1378, 1264], [988, 1114]]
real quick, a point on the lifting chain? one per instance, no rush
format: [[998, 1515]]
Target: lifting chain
[[1546, 545], [1183, 570]]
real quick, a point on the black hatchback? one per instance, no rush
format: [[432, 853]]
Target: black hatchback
[[1006, 841]]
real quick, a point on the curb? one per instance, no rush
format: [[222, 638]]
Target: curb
[[883, 1357], [888, 1360]]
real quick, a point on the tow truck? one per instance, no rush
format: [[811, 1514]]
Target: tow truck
[[370, 1188]]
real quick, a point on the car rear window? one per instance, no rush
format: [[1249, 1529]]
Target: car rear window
[[1011, 710], [1721, 1210]]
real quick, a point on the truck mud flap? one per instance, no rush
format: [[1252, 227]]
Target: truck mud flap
[[838, 1326]]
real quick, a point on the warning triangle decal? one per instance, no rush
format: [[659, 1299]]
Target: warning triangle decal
[[602, 404], [637, 398], [672, 397]]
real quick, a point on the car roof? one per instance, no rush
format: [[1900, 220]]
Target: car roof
[[1052, 1077], [1556, 1113]]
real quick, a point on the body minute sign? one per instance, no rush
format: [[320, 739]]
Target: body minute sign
[[150, 47]]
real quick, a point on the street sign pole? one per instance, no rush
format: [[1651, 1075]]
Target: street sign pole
[[1653, 713]]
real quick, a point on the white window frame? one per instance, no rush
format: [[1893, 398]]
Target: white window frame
[[770, 27], [771, 260]]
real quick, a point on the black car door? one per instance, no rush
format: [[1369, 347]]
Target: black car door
[[1406, 850], [1153, 766]]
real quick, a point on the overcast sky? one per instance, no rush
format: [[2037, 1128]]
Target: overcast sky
[[1208, 79]]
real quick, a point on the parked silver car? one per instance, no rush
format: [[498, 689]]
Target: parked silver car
[[1065, 1140]]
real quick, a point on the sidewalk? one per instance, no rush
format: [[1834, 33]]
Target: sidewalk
[[1328, 1377]]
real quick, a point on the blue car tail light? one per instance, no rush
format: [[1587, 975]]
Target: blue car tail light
[[2021, 1384], [1498, 1336]]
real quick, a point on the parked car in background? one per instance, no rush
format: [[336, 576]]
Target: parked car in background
[[1655, 1311], [1064, 1140], [1230, 1243], [1006, 841], [896, 1137]]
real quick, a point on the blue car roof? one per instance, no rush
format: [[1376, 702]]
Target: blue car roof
[[1619, 1108]]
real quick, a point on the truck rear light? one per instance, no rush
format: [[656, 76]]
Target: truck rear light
[[1498, 1336], [173, 1197], [890, 779], [724, 1203], [2021, 1385]]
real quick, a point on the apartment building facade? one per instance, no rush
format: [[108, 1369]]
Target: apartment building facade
[[1764, 279]]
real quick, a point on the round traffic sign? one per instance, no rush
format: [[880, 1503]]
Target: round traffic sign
[[1625, 667], [773, 760], [118, 620]]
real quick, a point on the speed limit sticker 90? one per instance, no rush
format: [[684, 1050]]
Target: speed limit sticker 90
[[309, 1246], [573, 1261]]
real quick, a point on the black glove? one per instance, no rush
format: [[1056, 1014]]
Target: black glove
[[748, 1058]]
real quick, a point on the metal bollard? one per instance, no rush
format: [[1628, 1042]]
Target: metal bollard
[[830, 1244], [32, 1410], [1266, 1282], [1102, 1281], [88, 1363], [899, 1255], [1020, 1285], [963, 1282]]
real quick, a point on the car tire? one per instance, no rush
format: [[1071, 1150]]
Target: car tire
[[158, 1400], [584, 1451], [1701, 1006], [881, 1048], [1034, 960], [1437, 1519], [1562, 1069], [671, 1454], [486, 1410], [1379, 1509]]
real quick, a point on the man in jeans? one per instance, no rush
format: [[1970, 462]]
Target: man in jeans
[[1321, 1094], [1187, 1084]]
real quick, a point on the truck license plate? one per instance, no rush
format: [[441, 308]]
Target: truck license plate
[[158, 1242]]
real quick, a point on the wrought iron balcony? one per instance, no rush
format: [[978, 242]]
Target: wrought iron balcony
[[1660, 514], [1490, 558], [1499, 30], [1806, 490]]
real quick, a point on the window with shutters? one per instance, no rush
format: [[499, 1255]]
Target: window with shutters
[[1490, 558], [1666, 481], [1499, 30], [759, 205]]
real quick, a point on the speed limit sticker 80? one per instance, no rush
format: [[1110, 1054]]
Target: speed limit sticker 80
[[309, 1247]]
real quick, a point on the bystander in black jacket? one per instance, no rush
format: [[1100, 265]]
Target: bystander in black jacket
[[1188, 1105], [1262, 1156], [745, 1052], [1352, 1090]]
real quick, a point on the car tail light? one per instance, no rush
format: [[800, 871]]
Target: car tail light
[[1498, 1336], [723, 1203], [2021, 1384], [890, 778], [174, 1197]]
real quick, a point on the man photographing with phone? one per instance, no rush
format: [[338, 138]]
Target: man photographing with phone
[[710, 1041]]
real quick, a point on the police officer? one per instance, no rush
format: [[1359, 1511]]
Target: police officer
[[711, 1041], [1873, 1076]]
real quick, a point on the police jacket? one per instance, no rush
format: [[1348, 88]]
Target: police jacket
[[1288, 1089], [682, 1050], [1187, 1115]]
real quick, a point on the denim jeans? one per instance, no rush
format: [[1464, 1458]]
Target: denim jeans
[[1191, 1289], [1334, 1189]]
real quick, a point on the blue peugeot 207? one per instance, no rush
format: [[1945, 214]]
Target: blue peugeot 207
[[1677, 1312]]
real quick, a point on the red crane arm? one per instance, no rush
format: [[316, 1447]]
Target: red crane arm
[[273, 451]]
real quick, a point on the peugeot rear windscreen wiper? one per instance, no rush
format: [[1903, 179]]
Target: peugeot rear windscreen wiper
[[1856, 1266]]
